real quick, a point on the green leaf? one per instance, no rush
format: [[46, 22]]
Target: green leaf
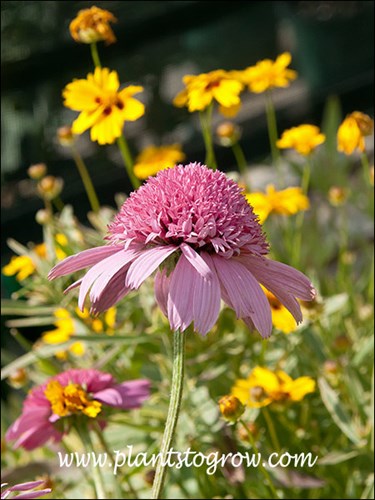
[[337, 457], [22, 308], [338, 412]]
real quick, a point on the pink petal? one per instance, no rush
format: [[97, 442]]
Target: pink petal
[[83, 259], [196, 260], [144, 265], [33, 494], [127, 395], [26, 486], [206, 302], [121, 258], [162, 283], [244, 293], [113, 293], [181, 292], [277, 275]]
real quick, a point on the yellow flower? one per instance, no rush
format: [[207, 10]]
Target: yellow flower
[[103, 107], [92, 25], [153, 159], [268, 74], [304, 139], [231, 408], [352, 131], [264, 387], [202, 89], [97, 325], [23, 266], [285, 202], [282, 319], [65, 328], [70, 399]]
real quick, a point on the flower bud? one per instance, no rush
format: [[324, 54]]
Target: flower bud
[[231, 408], [37, 171], [93, 25], [65, 136], [49, 187], [228, 133], [18, 378], [43, 216], [331, 366], [149, 476], [252, 429], [337, 195]]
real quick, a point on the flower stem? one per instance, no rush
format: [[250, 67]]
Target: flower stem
[[262, 468], [173, 411], [300, 217], [366, 168], [128, 161], [206, 118], [96, 474], [240, 158], [272, 132], [271, 430], [86, 179], [95, 55]]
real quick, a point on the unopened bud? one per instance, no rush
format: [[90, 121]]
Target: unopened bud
[[252, 429], [18, 378], [331, 366], [337, 195], [43, 216], [228, 133], [231, 408], [65, 136], [49, 187], [37, 171], [149, 476]]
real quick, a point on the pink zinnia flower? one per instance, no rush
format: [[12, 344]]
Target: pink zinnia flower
[[47, 407], [195, 228], [25, 487]]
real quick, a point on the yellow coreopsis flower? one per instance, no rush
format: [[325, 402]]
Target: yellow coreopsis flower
[[104, 108], [155, 158], [352, 131], [285, 202], [268, 74], [92, 25], [201, 90], [282, 319], [304, 139], [264, 387], [65, 329], [104, 325]]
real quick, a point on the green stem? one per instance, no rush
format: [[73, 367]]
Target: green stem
[[95, 55], [240, 158], [272, 130], [262, 468], [86, 179], [173, 411], [59, 204], [205, 119], [128, 161], [301, 215], [366, 168], [96, 473], [271, 430]]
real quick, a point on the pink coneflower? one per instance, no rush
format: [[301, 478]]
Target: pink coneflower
[[7, 493], [195, 228], [47, 408]]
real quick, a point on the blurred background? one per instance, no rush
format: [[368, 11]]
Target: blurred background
[[157, 43]]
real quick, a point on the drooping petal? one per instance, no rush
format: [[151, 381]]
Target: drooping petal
[[181, 292], [196, 260], [206, 300], [147, 262], [127, 395], [81, 260], [162, 283], [114, 291], [245, 293]]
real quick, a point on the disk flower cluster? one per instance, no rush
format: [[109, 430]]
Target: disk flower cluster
[[193, 226], [264, 386], [304, 139], [201, 90], [92, 25], [153, 159], [352, 131], [267, 74], [284, 202], [103, 107], [47, 408]]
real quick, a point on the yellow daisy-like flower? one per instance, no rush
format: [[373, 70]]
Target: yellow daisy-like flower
[[264, 387], [352, 131], [104, 325], [153, 159], [104, 108], [268, 74], [304, 139], [201, 90], [65, 328], [282, 319], [285, 202], [92, 25]]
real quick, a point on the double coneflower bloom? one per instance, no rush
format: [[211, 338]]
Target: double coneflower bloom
[[195, 228]]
